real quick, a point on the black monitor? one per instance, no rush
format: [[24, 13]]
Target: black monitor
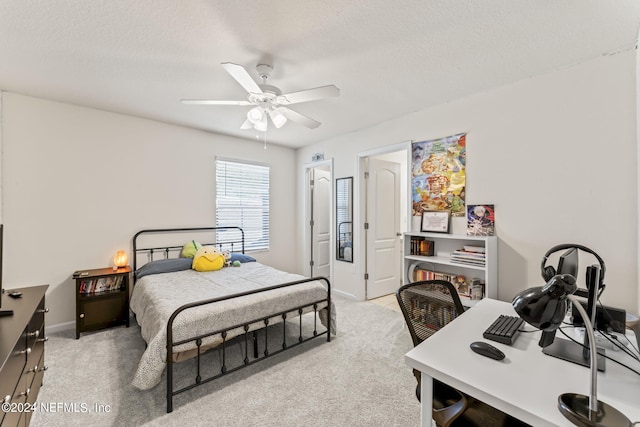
[[564, 349], [568, 263]]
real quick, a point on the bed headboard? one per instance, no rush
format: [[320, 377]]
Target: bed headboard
[[163, 243]]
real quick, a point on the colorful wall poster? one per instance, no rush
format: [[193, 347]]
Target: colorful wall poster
[[481, 220], [438, 174]]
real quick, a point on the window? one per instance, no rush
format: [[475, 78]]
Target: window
[[242, 200]]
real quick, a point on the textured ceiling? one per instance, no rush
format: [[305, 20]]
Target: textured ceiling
[[388, 58]]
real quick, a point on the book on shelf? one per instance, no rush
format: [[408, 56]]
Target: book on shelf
[[101, 284], [471, 248], [468, 262], [470, 254], [419, 275], [87, 286], [459, 281], [471, 260], [468, 257], [421, 246], [110, 283]]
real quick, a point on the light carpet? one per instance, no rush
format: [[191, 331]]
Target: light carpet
[[357, 379]]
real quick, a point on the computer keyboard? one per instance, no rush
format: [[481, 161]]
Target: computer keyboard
[[504, 329]]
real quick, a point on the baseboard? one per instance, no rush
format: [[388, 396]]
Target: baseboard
[[344, 294], [59, 327]]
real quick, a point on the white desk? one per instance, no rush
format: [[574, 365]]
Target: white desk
[[527, 383]]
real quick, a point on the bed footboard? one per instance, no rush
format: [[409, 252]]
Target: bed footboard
[[250, 326]]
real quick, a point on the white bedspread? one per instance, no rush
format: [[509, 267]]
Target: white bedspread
[[157, 296]]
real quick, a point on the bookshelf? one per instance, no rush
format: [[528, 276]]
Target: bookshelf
[[102, 298], [458, 259]]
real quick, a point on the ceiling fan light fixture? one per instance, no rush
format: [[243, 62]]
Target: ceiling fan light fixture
[[277, 118], [261, 126], [256, 115]]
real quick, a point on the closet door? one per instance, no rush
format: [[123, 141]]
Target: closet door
[[383, 234], [321, 228]]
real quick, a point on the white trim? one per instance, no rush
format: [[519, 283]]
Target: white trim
[[405, 145], [360, 209], [236, 160], [637, 70], [306, 216]]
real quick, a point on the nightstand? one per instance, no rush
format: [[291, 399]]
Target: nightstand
[[102, 298]]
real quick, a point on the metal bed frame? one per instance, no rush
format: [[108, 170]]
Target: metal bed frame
[[263, 322]]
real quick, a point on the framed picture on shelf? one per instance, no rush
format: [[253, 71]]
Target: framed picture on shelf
[[435, 221]]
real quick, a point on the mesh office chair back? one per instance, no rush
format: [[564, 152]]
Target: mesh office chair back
[[428, 306]]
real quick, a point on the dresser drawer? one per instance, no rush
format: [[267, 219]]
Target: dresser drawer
[[35, 347], [13, 368], [12, 418], [37, 320], [34, 377]]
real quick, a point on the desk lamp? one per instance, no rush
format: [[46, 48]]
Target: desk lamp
[[545, 308]]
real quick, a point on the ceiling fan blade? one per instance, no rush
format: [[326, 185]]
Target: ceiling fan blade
[[308, 95], [212, 102], [294, 116], [242, 76]]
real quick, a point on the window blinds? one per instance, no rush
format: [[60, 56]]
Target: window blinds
[[242, 200]]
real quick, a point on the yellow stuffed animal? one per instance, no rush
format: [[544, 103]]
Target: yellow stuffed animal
[[208, 258]]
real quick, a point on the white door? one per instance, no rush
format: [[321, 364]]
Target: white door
[[321, 223], [383, 234]]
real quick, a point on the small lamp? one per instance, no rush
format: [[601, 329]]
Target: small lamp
[[545, 308], [119, 259]]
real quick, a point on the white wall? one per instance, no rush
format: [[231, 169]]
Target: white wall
[[78, 183], [556, 154]]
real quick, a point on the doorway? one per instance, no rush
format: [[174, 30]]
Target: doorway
[[318, 219], [384, 212]]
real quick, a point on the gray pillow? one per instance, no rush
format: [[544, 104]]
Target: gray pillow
[[241, 257], [164, 266]]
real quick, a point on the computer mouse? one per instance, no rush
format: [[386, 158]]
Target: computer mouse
[[486, 349]]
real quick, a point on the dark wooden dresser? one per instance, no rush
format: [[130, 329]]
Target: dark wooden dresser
[[21, 354]]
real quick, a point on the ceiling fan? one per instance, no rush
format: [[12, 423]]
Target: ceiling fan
[[268, 100]]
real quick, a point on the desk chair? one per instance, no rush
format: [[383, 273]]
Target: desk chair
[[427, 307]]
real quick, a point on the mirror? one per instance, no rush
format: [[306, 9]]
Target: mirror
[[344, 219]]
